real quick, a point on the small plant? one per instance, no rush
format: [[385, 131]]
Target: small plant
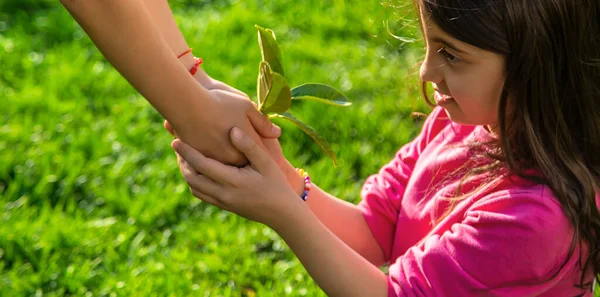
[[275, 95]]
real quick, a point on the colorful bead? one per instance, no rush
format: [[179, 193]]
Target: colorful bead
[[307, 183]]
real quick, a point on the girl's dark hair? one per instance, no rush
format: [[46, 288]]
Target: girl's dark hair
[[549, 111]]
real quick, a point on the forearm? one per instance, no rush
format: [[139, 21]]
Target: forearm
[[162, 16], [344, 219], [335, 267], [141, 55]]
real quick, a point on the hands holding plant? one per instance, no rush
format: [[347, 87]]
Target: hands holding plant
[[269, 187], [225, 108], [259, 192]]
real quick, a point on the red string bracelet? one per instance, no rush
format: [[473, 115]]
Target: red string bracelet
[[189, 50], [197, 63]]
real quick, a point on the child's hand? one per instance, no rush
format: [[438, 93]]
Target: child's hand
[[211, 84], [274, 148], [258, 192]]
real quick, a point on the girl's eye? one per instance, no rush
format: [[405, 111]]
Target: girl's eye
[[452, 59]]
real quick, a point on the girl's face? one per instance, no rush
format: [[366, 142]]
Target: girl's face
[[467, 80]]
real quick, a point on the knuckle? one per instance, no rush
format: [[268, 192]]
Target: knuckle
[[188, 174], [237, 159], [194, 184], [196, 167], [252, 149], [251, 145], [247, 104], [227, 197], [235, 182], [263, 118], [197, 164], [194, 192]]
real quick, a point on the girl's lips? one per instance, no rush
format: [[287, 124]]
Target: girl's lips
[[441, 98]]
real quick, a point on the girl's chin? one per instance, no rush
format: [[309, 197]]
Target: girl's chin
[[442, 100]]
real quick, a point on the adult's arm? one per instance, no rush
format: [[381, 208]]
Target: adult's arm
[[124, 32], [163, 19]]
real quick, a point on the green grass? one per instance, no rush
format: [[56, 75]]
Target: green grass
[[92, 202], [91, 199]]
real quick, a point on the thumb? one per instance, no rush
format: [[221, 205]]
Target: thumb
[[262, 124], [255, 154]]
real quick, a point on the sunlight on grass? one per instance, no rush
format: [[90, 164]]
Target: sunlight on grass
[[93, 202]]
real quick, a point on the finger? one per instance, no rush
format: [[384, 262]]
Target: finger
[[262, 124], [187, 171], [240, 92], [223, 86], [207, 198], [169, 128], [213, 169], [255, 154], [201, 183]]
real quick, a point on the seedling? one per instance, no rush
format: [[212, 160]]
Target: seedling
[[275, 96]]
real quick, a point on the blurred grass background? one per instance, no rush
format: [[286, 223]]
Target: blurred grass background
[[91, 200]]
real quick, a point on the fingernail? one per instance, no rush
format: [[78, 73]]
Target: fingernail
[[236, 133], [276, 129], [175, 144]]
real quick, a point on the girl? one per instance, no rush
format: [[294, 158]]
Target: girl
[[495, 197]]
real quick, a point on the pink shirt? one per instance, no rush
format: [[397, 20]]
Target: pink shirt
[[505, 241]]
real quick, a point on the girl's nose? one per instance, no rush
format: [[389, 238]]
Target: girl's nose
[[430, 70]]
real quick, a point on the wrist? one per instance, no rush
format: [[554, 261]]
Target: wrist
[[295, 180], [291, 220], [203, 78], [187, 61], [186, 58]]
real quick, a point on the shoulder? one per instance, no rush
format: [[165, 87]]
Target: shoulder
[[528, 220], [512, 238], [520, 233], [521, 195], [525, 204]]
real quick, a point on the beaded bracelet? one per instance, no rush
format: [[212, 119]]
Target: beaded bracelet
[[307, 183], [197, 63]]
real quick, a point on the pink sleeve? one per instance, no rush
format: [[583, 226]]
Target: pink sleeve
[[382, 192], [508, 244]]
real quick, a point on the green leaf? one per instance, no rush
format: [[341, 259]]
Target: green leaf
[[269, 49], [263, 84], [320, 92], [279, 97], [318, 139], [274, 94]]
